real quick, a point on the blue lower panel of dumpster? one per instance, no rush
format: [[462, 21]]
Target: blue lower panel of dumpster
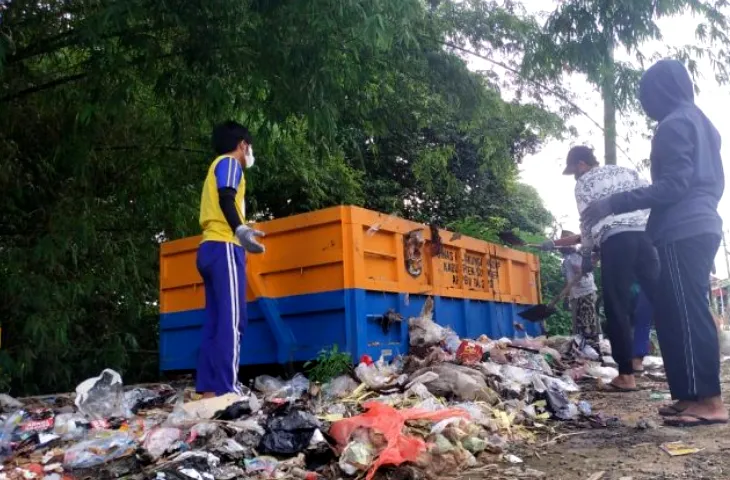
[[349, 318]]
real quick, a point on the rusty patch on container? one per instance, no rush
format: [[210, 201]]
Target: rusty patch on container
[[413, 245]]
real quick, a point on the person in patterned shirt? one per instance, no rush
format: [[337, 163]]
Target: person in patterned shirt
[[582, 297], [626, 253]]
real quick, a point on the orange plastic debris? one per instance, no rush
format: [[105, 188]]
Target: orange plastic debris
[[390, 422]]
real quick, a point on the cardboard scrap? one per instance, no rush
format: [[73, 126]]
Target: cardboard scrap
[[676, 449], [205, 409]]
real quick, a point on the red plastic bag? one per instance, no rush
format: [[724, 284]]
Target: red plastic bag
[[389, 422], [366, 359], [469, 353]]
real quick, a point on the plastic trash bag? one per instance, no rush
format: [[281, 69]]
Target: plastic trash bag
[[418, 390], [425, 378], [339, 387], [159, 440], [560, 405], [440, 426], [103, 447], [605, 345], [451, 341], [515, 378], [547, 351], [538, 384], [70, 426], [286, 389], [230, 450], [263, 464], [288, 432], [144, 398], [179, 417], [590, 353], [605, 374], [565, 383], [469, 353], [491, 369], [378, 377], [390, 422], [458, 381], [476, 413], [356, 457], [423, 331], [609, 361], [101, 397], [9, 403], [531, 361], [234, 411], [653, 363], [430, 405]]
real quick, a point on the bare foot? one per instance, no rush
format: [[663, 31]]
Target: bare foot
[[638, 364], [702, 412], [624, 382], [674, 409], [207, 395]]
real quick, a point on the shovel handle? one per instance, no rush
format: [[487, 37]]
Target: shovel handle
[[565, 291]]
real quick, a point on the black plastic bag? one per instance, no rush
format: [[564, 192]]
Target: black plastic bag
[[560, 405], [288, 433], [234, 411]]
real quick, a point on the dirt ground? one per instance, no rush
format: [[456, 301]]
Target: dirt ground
[[632, 450]]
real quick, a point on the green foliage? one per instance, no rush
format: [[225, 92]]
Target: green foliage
[[583, 36], [328, 365], [105, 112], [580, 36]]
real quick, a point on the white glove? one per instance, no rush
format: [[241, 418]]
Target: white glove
[[248, 238]]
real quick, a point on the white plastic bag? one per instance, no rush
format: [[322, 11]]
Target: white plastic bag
[[424, 332], [653, 363], [357, 457], [605, 374], [277, 388], [158, 440], [101, 397], [339, 387]]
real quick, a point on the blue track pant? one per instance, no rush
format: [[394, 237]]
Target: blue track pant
[[223, 268]]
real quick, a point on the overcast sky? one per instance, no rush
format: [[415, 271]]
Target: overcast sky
[[543, 170]]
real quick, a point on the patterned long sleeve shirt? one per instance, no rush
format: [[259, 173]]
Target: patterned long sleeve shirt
[[602, 182]]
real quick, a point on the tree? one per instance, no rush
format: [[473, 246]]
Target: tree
[[105, 112], [583, 37]]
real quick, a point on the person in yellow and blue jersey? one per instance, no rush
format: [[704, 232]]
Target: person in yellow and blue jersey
[[222, 260]]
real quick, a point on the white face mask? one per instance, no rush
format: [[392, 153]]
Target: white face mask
[[249, 157]]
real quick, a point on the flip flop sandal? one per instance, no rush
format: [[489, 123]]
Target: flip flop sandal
[[670, 411], [611, 388], [687, 420]]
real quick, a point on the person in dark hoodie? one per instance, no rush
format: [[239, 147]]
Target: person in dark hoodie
[[687, 184]]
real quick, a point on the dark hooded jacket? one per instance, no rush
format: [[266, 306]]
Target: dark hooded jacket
[[686, 168]]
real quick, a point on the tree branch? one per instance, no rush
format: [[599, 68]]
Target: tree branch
[[545, 87], [45, 86]]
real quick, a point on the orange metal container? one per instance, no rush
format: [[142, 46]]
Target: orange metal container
[[353, 248]]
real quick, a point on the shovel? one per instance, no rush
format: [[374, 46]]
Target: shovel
[[509, 238], [538, 313]]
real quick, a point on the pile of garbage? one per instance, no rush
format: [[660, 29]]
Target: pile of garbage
[[453, 404]]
